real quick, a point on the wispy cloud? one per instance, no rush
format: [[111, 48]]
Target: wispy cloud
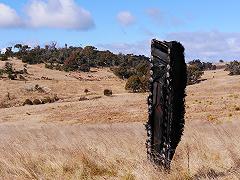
[[65, 14], [161, 18], [156, 15], [213, 45], [9, 17], [207, 46], [125, 18]]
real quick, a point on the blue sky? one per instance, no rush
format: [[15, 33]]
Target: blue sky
[[208, 29]]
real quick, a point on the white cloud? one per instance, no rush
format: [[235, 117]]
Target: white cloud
[[210, 46], [125, 18], [8, 17], [58, 14]]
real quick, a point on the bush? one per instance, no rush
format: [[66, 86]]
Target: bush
[[12, 73], [46, 100], [37, 102], [25, 70], [194, 73], [22, 78], [197, 63], [86, 91], [1, 72], [49, 66], [4, 57], [203, 65], [12, 76], [27, 102], [214, 67], [8, 67], [107, 92], [55, 98], [123, 72], [84, 68], [39, 89], [83, 98], [134, 84], [28, 59], [234, 68]]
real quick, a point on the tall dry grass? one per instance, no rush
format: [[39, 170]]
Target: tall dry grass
[[115, 151], [65, 140]]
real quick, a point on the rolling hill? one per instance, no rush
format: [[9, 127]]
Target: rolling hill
[[92, 136]]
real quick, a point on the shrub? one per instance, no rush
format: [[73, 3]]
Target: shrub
[[194, 73], [49, 66], [37, 102], [27, 102], [1, 72], [70, 64], [197, 63], [84, 68], [123, 72], [22, 78], [46, 100], [237, 108], [39, 89], [214, 67], [134, 84], [12, 76], [4, 57], [83, 98], [203, 65], [25, 70], [55, 98], [28, 58], [142, 68], [86, 91], [107, 92], [8, 67], [234, 68]]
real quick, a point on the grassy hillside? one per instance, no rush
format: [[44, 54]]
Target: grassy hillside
[[103, 137]]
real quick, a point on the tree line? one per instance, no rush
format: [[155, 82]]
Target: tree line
[[133, 68]]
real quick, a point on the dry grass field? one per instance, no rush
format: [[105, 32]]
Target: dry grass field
[[103, 137]]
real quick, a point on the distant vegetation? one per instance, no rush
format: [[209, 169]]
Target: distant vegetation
[[203, 66], [136, 70], [194, 74], [83, 59], [233, 68], [133, 68], [195, 70], [12, 73]]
